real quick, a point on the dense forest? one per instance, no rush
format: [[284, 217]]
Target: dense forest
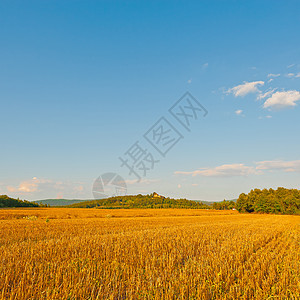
[[141, 201], [280, 201], [6, 201]]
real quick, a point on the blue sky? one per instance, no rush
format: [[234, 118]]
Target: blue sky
[[82, 81]]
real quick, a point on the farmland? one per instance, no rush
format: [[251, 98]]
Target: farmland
[[75, 253]]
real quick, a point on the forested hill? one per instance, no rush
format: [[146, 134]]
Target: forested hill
[[141, 201], [6, 201], [280, 201]]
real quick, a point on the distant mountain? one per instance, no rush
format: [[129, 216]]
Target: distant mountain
[[211, 202], [59, 202], [205, 202]]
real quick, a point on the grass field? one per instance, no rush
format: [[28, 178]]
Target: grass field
[[61, 253]]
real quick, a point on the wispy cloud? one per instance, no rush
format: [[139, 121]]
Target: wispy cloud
[[281, 100], [266, 94], [279, 165], [28, 186], [265, 117], [239, 112], [229, 170], [142, 181], [290, 75], [204, 66], [40, 186], [246, 88], [273, 75], [233, 170]]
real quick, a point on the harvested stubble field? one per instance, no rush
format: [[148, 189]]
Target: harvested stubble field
[[61, 253]]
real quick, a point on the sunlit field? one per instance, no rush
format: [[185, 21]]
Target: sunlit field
[[61, 253]]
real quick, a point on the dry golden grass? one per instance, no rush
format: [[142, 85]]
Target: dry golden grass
[[147, 254]]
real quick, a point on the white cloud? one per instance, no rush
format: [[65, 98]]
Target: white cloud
[[266, 94], [189, 81], [265, 117], [204, 66], [246, 88], [290, 75], [229, 170], [143, 180], [290, 66], [28, 186], [273, 75], [279, 165], [280, 100], [232, 170], [39, 187], [238, 112]]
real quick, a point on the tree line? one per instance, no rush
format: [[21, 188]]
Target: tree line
[[280, 201], [224, 205], [6, 201]]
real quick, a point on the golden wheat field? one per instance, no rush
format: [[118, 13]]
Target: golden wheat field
[[61, 253]]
